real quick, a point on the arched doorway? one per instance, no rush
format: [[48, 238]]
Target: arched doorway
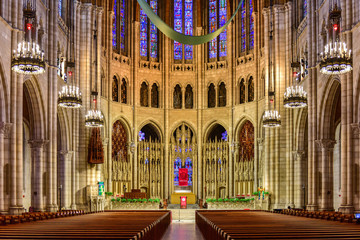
[[183, 159], [121, 167], [216, 163], [244, 160], [150, 161]]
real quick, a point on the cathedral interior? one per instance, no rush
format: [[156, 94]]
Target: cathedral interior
[[97, 102]]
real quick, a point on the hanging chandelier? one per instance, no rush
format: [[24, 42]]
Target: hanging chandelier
[[70, 97], [295, 97], [336, 58], [28, 58], [271, 119], [94, 118]]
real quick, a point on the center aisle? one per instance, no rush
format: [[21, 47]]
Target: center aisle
[[185, 230]]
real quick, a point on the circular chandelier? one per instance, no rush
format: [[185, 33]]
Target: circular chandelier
[[271, 119], [94, 118], [70, 97], [336, 59], [28, 58], [295, 97]]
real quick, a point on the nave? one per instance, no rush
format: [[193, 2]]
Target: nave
[[209, 225]]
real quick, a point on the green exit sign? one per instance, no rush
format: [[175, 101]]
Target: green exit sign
[[101, 188]]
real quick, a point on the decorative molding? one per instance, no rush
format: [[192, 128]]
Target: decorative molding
[[216, 65], [183, 68], [355, 129], [326, 144], [38, 143], [5, 129], [150, 65]]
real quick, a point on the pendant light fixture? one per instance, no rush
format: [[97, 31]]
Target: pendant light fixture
[[336, 58], [94, 118], [28, 58], [271, 117], [70, 94]]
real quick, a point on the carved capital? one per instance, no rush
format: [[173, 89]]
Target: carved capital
[[105, 141], [38, 143], [355, 129], [66, 154], [5, 129], [326, 144], [298, 155], [260, 141]]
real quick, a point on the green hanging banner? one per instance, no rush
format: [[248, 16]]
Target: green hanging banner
[[179, 37]]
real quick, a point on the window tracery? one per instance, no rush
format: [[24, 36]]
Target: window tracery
[[217, 19], [148, 33], [183, 23], [119, 26]]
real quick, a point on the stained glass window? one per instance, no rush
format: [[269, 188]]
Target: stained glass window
[[153, 32], [141, 136], [188, 27], [183, 23], [243, 26], [222, 21], [189, 166], [60, 8], [143, 33], [178, 27], [213, 27], [251, 23], [114, 27], [122, 24], [177, 166], [305, 8]]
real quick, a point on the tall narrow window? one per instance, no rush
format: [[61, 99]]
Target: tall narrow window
[[305, 3], [148, 33], [144, 95], [153, 32], [60, 8], [222, 21], [123, 91], [251, 24], [242, 91], [213, 27], [177, 97], [115, 25], [189, 101], [183, 23], [222, 95], [119, 25], [143, 34], [251, 90], [154, 96], [115, 89], [211, 96], [243, 26]]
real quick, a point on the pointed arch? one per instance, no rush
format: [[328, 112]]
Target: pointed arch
[[251, 90], [177, 97], [155, 96], [144, 94], [115, 89], [242, 91], [211, 96], [222, 95], [124, 91], [189, 97]]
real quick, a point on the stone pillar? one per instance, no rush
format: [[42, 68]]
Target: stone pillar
[[327, 147], [37, 155], [65, 179], [4, 132]]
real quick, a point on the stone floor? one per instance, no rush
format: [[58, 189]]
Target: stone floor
[[183, 230]]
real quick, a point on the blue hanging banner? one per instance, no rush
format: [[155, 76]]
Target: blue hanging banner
[[179, 37]]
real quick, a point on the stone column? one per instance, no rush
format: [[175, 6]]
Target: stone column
[[65, 179], [327, 147], [37, 155], [4, 132]]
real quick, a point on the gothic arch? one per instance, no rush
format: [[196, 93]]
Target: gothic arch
[[210, 127], [187, 124], [64, 129], [126, 125], [4, 115], [156, 126], [328, 108], [36, 108], [301, 127], [241, 122]]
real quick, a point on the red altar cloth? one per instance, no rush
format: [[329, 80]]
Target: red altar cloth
[[183, 177]]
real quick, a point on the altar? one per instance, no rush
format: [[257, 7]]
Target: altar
[[175, 197]]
